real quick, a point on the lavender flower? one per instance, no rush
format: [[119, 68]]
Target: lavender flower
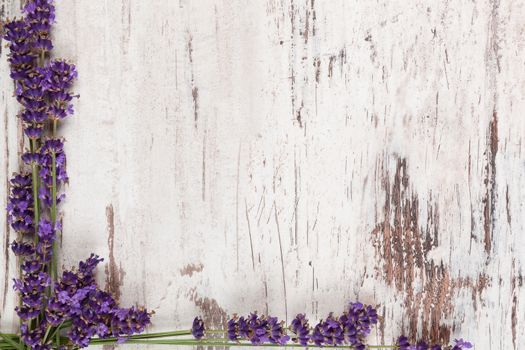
[[404, 344], [57, 80], [461, 344], [92, 311], [351, 328], [21, 57], [22, 248], [232, 329], [20, 204], [30, 94], [76, 297], [34, 132], [50, 148], [244, 328], [257, 329], [126, 322], [357, 322], [32, 337], [198, 328], [47, 234], [329, 332], [277, 332], [43, 90], [32, 117], [40, 15], [237, 328], [301, 328], [317, 335]]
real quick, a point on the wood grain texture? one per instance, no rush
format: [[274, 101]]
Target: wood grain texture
[[287, 156]]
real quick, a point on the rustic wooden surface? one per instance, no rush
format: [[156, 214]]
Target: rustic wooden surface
[[288, 156]]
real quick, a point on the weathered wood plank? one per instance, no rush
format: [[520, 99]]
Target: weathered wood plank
[[287, 156]]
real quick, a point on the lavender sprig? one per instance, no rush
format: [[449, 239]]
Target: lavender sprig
[[349, 330], [404, 344], [51, 307]]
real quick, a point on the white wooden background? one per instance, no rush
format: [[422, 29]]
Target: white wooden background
[[288, 156]]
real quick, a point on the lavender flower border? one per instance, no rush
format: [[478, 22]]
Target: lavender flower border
[[71, 311]]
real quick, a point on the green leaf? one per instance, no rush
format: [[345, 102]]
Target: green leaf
[[12, 342]]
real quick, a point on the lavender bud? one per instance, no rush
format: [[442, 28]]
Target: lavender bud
[[198, 328]]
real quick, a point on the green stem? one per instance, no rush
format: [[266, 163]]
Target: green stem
[[146, 336], [54, 264], [36, 207], [47, 333], [55, 331], [11, 342], [34, 178], [231, 344]]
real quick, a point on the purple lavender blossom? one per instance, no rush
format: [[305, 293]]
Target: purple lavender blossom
[[21, 56], [232, 331], [352, 328], [29, 92], [301, 328], [329, 331], [126, 322], [93, 312], [46, 231], [244, 328], [32, 337], [404, 344], [34, 132], [20, 204], [35, 279], [34, 116], [198, 328], [20, 248], [461, 344], [357, 322], [46, 234], [277, 332], [58, 77], [317, 336], [40, 15], [43, 90], [257, 329], [50, 148], [30, 158], [76, 297]]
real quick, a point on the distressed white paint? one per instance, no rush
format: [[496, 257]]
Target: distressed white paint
[[238, 174]]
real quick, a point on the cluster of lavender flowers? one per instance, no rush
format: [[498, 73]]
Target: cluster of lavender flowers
[[257, 329], [404, 344], [51, 306], [351, 328], [20, 205], [75, 299]]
